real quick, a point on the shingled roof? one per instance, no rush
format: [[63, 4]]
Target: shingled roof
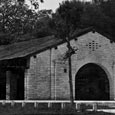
[[31, 47]]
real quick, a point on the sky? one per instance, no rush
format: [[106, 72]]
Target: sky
[[52, 4]]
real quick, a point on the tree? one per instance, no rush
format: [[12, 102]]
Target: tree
[[67, 18], [108, 7], [74, 15], [65, 21], [16, 20], [42, 27], [35, 3], [16, 15], [100, 15]]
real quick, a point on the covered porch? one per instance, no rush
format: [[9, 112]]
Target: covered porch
[[12, 79]]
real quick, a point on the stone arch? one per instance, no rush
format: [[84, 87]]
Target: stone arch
[[92, 82]]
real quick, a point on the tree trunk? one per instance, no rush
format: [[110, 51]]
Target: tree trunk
[[70, 82], [70, 74]]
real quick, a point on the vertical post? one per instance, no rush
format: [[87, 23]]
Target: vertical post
[[112, 90], [55, 77], [78, 107], [26, 78], [50, 76], [8, 75], [94, 107], [25, 84]]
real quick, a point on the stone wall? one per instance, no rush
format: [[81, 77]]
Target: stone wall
[[47, 76], [38, 77]]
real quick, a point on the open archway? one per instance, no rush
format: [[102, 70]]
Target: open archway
[[91, 83]]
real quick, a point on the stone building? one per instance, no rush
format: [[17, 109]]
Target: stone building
[[37, 70]]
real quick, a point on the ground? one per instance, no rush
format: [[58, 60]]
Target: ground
[[29, 109], [63, 113], [53, 109]]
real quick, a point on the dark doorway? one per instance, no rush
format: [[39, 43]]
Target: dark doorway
[[2, 84], [20, 85], [17, 84], [91, 83]]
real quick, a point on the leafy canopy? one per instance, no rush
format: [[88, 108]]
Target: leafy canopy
[[17, 20], [74, 15], [67, 18]]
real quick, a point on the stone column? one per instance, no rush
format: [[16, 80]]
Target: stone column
[[26, 78], [26, 84], [8, 75]]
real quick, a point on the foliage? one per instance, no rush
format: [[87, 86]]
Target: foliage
[[108, 8], [42, 27], [74, 15], [17, 20], [100, 17], [67, 18], [35, 3]]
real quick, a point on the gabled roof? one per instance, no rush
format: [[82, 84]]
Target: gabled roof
[[31, 47]]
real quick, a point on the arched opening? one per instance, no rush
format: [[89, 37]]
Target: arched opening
[[91, 83]]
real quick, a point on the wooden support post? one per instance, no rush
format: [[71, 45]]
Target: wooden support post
[[35, 104], [78, 107], [23, 104], [49, 105], [12, 103], [62, 105], [50, 75], [3, 102], [94, 107]]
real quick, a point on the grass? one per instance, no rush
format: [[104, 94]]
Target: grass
[[42, 109]]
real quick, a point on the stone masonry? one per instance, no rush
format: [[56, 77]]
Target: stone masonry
[[47, 76]]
